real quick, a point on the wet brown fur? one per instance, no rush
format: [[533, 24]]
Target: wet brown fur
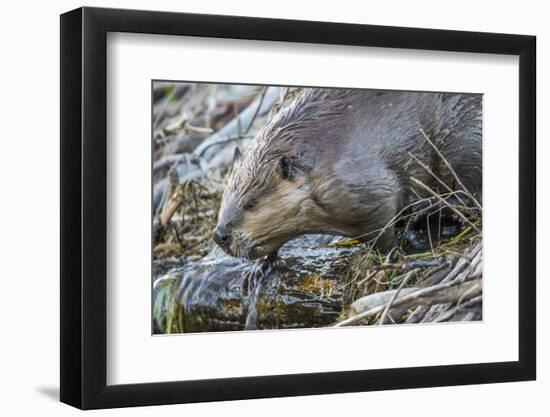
[[348, 152]]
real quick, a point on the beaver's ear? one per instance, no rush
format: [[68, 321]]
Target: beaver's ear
[[237, 155], [287, 168]]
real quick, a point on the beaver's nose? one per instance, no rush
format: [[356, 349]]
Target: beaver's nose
[[222, 236]]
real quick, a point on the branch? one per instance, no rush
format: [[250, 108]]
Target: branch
[[442, 200], [449, 167], [437, 294]]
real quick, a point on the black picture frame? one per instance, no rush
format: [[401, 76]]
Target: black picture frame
[[84, 207]]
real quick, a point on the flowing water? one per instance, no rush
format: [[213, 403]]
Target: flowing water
[[252, 308]]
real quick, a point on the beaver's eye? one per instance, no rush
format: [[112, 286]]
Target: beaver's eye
[[287, 170], [250, 204]]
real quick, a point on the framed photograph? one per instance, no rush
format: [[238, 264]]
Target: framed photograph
[[257, 208]]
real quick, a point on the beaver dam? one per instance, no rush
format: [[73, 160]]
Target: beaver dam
[[428, 270]]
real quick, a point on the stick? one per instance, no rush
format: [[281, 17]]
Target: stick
[[421, 297], [257, 111], [449, 313], [231, 128], [449, 167], [442, 200], [429, 171], [388, 306]]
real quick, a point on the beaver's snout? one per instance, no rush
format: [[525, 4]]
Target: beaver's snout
[[222, 236]]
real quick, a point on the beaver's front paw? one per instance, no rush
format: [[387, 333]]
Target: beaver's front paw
[[253, 275]]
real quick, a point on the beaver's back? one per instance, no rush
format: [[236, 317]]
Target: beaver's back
[[364, 160], [379, 136]]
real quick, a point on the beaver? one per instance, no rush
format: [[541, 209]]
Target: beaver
[[340, 162]]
